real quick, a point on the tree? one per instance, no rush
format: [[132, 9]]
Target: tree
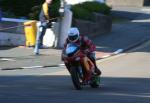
[[25, 8]]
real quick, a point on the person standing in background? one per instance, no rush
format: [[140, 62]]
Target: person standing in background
[[47, 16]]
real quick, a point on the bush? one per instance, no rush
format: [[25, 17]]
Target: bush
[[97, 7], [34, 14], [85, 10], [19, 7], [81, 13], [27, 8], [55, 8]]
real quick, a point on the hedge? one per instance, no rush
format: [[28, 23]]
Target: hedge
[[19, 8], [31, 8], [85, 10], [26, 8]]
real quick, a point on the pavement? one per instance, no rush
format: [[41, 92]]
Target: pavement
[[124, 37]]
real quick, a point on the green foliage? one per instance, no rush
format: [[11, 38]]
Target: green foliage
[[31, 8], [55, 8], [96, 7], [81, 13], [85, 10], [34, 14], [27, 8], [19, 7]]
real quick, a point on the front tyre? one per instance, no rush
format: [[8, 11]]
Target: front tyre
[[76, 78]]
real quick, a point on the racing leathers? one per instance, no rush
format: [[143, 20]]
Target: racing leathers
[[87, 47]]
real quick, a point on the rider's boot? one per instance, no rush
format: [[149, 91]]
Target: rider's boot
[[97, 70]]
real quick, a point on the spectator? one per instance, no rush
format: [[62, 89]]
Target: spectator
[[46, 14]]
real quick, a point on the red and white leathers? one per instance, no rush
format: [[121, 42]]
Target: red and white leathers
[[84, 43], [87, 47]]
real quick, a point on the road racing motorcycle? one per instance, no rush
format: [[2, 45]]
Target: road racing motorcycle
[[81, 67]]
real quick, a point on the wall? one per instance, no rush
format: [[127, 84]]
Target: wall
[[11, 39], [102, 24], [14, 36], [132, 3], [80, 1], [147, 2]]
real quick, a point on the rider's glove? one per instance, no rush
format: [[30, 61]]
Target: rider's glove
[[86, 51]]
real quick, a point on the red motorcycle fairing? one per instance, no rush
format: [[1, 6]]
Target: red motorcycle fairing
[[84, 62]]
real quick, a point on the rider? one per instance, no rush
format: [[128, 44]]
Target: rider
[[85, 45]]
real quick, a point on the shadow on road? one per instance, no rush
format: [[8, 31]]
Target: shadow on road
[[7, 47], [131, 14], [123, 36], [60, 89]]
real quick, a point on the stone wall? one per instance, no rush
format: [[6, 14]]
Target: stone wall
[[11, 39], [12, 26], [12, 32], [132, 3], [101, 24], [147, 2]]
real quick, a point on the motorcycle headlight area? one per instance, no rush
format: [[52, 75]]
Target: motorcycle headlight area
[[71, 50]]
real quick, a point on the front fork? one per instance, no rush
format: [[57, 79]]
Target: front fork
[[76, 65]]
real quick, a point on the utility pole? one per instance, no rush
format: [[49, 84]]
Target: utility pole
[[64, 23], [0, 15]]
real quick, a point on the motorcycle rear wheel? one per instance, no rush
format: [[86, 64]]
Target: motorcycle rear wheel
[[95, 82]]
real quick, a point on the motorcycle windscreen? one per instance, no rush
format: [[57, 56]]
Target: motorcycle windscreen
[[71, 49]]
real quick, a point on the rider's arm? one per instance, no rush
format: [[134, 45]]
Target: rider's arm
[[90, 46]]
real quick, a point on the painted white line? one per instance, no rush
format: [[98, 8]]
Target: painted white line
[[139, 21], [61, 65], [118, 51], [114, 53], [6, 59], [110, 58], [105, 56], [146, 9], [32, 67]]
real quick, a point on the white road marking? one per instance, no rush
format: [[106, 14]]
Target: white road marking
[[6, 59]]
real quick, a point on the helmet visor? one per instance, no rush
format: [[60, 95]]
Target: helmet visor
[[72, 38]]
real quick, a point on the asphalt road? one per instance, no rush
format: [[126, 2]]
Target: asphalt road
[[56, 89], [125, 79]]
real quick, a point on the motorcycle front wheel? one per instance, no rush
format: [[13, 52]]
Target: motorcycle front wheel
[[76, 78]]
